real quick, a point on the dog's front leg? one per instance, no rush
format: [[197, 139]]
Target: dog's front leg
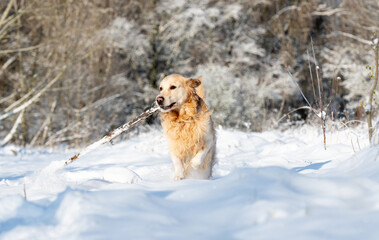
[[198, 160], [178, 168]]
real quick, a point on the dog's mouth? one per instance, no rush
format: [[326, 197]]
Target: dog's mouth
[[168, 107]]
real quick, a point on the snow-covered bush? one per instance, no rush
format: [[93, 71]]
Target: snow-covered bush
[[231, 97]]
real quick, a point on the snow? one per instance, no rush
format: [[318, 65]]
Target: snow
[[368, 108], [270, 185], [322, 114]]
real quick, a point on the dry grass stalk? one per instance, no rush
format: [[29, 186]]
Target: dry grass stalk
[[321, 111], [368, 108], [25, 196]]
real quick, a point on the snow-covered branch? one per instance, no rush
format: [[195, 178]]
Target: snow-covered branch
[[114, 133], [13, 130]]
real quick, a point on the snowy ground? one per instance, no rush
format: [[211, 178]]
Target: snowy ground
[[270, 185]]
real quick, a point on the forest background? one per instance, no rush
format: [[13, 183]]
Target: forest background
[[72, 71]]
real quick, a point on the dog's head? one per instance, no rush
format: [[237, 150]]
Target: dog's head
[[175, 91]]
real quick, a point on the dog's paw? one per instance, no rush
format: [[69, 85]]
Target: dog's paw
[[179, 175], [178, 178]]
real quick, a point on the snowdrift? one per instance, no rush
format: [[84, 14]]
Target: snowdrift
[[269, 185]]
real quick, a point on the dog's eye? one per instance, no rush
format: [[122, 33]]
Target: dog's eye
[[160, 88], [172, 87]]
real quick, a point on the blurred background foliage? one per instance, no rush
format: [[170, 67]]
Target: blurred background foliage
[[98, 63]]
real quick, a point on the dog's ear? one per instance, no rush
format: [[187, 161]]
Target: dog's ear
[[194, 82]]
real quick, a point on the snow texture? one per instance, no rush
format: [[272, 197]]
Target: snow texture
[[368, 108], [270, 185]]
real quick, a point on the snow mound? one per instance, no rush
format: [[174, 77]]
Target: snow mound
[[121, 175]]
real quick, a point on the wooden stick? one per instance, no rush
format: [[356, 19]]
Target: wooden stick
[[114, 133]]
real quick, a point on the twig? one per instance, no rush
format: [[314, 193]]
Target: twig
[[45, 125], [320, 113], [114, 133], [22, 99], [26, 198], [321, 95], [318, 77], [13, 130], [351, 140], [294, 110], [328, 12], [5, 14], [349, 35], [281, 107], [25, 49], [97, 103], [298, 87], [313, 84], [7, 98], [6, 64], [283, 10]]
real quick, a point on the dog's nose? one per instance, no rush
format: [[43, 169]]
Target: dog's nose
[[160, 100]]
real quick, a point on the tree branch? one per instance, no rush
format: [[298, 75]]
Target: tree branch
[[33, 99], [13, 130]]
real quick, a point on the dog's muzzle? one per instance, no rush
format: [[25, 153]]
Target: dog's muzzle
[[160, 102]]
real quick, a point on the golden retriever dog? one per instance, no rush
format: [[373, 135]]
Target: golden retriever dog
[[186, 120]]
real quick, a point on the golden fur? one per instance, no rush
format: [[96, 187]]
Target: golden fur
[[188, 126]]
